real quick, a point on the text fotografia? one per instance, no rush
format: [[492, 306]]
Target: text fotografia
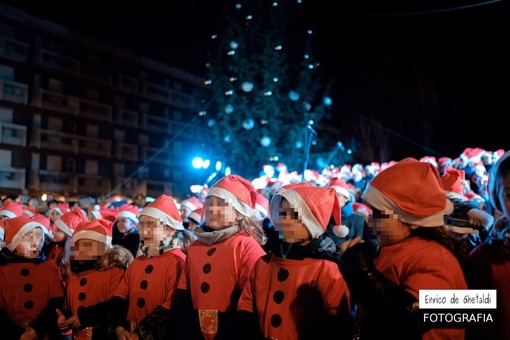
[[457, 318], [457, 308]]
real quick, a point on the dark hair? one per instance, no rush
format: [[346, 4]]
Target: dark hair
[[499, 170]]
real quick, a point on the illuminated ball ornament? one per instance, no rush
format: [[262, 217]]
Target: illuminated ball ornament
[[293, 95], [234, 45], [211, 123], [327, 101], [265, 141], [229, 109], [227, 139], [248, 124], [247, 86], [299, 144]]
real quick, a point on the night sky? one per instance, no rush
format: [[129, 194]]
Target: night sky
[[370, 49]]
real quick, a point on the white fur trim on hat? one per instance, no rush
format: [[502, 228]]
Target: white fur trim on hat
[[64, 227], [304, 213], [127, 214], [262, 209], [91, 235], [58, 210], [379, 201], [342, 191], [28, 213], [25, 229], [96, 214], [238, 205], [2, 233], [7, 213], [164, 217]]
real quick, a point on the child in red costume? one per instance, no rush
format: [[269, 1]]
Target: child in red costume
[[91, 285], [297, 291], [30, 288], [221, 259], [145, 297], [416, 252]]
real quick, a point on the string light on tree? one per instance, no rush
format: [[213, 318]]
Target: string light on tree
[[248, 124]]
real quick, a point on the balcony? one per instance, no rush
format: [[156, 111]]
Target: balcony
[[92, 184], [182, 100], [55, 181], [56, 140], [12, 178], [127, 84], [127, 117], [13, 92], [88, 73], [95, 110], [13, 49], [128, 152], [148, 153], [156, 188], [13, 134], [58, 62], [127, 187], [49, 100], [156, 124], [157, 92]]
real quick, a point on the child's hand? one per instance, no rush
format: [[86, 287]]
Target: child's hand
[[29, 334], [61, 322]]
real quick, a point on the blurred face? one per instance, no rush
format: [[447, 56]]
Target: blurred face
[[86, 250], [219, 214], [153, 230], [504, 194], [125, 225], [289, 225], [387, 227], [342, 199], [55, 215], [59, 236], [30, 244], [185, 211]]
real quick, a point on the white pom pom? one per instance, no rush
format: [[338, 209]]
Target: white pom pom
[[341, 230]]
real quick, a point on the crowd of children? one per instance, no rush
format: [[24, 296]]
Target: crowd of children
[[341, 255]]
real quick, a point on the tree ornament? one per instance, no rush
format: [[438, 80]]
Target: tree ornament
[[229, 109], [211, 122], [227, 139], [265, 141], [293, 95], [247, 86], [299, 144], [327, 101], [248, 123]]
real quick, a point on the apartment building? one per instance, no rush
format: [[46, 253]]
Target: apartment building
[[80, 117]]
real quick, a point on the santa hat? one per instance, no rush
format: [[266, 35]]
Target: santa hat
[[444, 161], [11, 209], [238, 192], [340, 187], [48, 227], [61, 208], [192, 203], [452, 182], [106, 213], [129, 211], [196, 215], [411, 189], [68, 222], [29, 210], [262, 204], [2, 230], [16, 227], [164, 209], [97, 230], [315, 207]]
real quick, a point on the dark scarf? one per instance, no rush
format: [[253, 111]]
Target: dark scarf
[[321, 248]]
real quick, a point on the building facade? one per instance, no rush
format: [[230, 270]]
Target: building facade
[[80, 117]]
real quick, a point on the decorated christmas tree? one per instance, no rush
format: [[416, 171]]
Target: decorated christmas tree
[[268, 93]]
